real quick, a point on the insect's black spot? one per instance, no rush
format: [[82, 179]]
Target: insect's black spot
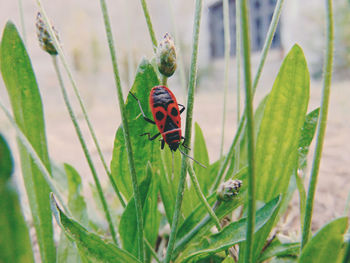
[[159, 115], [161, 126], [174, 112], [177, 122]]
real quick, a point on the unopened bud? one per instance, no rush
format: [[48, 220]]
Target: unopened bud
[[228, 190], [166, 56], [45, 40]]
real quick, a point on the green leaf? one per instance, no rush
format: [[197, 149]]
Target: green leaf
[[92, 245], [201, 155], [228, 259], [128, 226], [325, 245], [144, 150], [14, 242], [199, 223], [232, 234], [22, 88], [67, 249], [307, 134], [278, 249], [151, 215], [279, 133]]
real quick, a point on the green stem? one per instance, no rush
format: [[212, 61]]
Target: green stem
[[150, 248], [21, 15], [188, 131], [183, 241], [238, 60], [70, 76], [123, 114], [321, 128], [242, 123], [47, 176], [250, 129], [227, 64], [201, 196], [149, 25], [85, 150], [164, 80]]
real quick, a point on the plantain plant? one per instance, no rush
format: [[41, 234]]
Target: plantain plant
[[230, 209]]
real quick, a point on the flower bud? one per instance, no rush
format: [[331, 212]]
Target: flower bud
[[44, 37], [166, 56], [228, 190]]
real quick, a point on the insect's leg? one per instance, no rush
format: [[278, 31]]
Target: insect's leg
[[143, 114], [163, 143], [183, 144], [149, 136], [183, 108]]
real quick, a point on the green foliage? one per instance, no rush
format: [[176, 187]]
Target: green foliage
[[284, 114], [282, 132], [325, 246], [22, 88], [14, 242], [92, 245]]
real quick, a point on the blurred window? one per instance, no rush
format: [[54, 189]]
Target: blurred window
[[261, 12]]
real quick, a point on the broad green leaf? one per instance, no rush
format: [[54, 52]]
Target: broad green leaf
[[232, 234], [276, 248], [325, 245], [22, 88], [201, 155], [14, 242], [144, 150], [279, 133], [151, 215], [128, 221], [67, 249], [91, 244]]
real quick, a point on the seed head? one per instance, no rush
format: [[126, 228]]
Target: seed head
[[45, 40], [166, 56], [228, 190]]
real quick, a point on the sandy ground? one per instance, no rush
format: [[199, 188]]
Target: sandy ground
[[95, 82]]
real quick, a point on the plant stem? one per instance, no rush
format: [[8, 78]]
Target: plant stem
[[188, 131], [85, 150], [238, 60], [201, 196], [242, 123], [128, 147], [321, 128], [227, 64], [149, 25], [164, 80], [26, 143], [150, 248], [250, 129], [86, 117], [21, 15]]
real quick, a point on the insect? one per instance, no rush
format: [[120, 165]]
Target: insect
[[166, 115]]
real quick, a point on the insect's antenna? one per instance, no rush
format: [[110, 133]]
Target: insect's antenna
[[192, 158]]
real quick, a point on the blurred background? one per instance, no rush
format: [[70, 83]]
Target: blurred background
[[82, 35]]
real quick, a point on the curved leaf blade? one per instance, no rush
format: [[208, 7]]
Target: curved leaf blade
[[326, 244], [232, 234], [278, 137], [93, 245], [22, 88], [14, 242]]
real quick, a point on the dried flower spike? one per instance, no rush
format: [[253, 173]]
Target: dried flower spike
[[166, 56], [228, 190], [44, 37]]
